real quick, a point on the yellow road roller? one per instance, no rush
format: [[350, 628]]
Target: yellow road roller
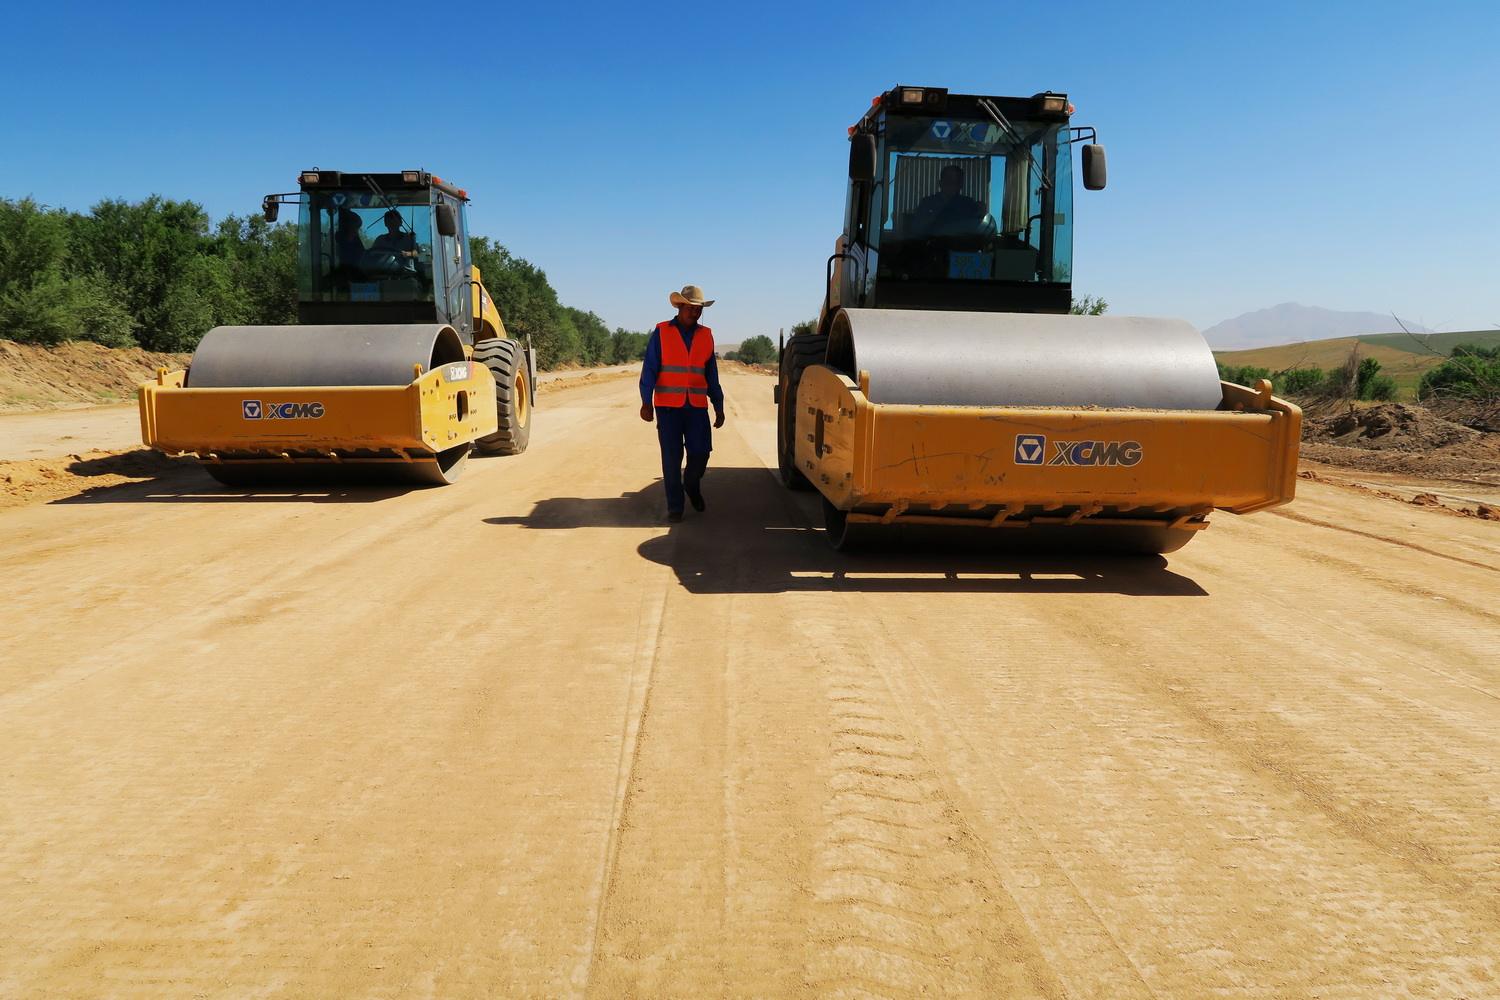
[[399, 364], [948, 385]]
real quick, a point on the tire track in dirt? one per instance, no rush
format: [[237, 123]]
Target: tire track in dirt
[[1193, 860], [911, 901], [907, 904], [1399, 542], [633, 731], [1026, 863]]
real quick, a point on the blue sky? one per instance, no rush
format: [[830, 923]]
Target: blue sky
[[1341, 155]]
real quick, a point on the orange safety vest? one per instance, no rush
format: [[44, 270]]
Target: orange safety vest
[[683, 379]]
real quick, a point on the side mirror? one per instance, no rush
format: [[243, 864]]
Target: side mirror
[[271, 207], [1094, 171], [447, 225], [862, 157]]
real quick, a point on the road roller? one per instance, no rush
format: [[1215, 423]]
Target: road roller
[[948, 386], [398, 366]]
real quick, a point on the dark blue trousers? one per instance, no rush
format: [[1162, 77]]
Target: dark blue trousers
[[683, 429]]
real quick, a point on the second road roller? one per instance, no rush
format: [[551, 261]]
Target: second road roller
[[399, 364], [948, 385]]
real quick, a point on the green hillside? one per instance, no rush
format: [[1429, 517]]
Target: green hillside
[[1442, 343], [1404, 357]]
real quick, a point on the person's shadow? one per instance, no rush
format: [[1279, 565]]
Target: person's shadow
[[759, 537]]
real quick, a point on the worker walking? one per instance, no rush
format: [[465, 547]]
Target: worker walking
[[679, 378]]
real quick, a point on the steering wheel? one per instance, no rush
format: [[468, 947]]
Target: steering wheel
[[388, 263]]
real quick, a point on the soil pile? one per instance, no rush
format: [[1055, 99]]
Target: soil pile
[[1389, 426], [1402, 437], [79, 373], [49, 478]]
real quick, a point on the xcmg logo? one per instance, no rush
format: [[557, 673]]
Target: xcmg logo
[[1031, 449], [255, 409]]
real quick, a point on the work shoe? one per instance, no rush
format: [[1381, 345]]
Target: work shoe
[[696, 499], [675, 516]]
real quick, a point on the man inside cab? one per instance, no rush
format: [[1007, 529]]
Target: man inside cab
[[393, 240], [949, 212]]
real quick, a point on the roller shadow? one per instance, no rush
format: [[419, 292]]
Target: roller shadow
[[184, 481], [758, 537]]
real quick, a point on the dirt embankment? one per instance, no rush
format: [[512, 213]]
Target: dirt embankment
[[79, 373], [1407, 438]]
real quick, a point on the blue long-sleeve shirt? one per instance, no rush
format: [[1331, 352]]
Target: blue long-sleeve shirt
[[651, 367]]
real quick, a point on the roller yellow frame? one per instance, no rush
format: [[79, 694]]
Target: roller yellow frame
[[1014, 466], [444, 408]]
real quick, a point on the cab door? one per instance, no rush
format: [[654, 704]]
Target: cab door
[[451, 272]]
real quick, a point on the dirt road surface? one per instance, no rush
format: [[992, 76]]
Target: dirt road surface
[[517, 738]]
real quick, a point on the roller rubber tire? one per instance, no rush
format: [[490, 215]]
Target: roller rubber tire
[[802, 352], [507, 362]]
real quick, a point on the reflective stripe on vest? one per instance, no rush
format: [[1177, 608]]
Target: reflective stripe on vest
[[683, 377]]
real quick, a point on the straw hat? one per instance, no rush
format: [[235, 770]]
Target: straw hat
[[691, 295]]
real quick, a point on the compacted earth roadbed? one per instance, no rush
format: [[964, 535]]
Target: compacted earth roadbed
[[326, 743]]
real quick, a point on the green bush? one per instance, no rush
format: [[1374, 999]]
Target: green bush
[[756, 350], [100, 313], [52, 309], [626, 346], [1291, 382], [1370, 384], [1242, 374], [1471, 372], [1299, 381]]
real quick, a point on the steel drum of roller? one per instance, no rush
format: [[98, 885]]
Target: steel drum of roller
[[1025, 359], [255, 357], [267, 357]]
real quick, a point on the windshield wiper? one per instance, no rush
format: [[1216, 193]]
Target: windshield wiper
[[370, 183], [1015, 137]]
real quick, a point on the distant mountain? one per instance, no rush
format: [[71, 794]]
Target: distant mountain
[[1290, 323]]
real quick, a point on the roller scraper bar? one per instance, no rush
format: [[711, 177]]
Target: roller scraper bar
[[252, 357], [1023, 359]]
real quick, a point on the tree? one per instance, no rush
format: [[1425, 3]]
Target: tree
[[805, 328], [756, 350], [263, 264], [626, 346], [527, 302], [44, 298], [156, 273], [150, 250], [593, 337], [1370, 384], [1089, 305]]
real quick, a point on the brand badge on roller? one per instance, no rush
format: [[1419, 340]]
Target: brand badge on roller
[[255, 409], [1031, 449]]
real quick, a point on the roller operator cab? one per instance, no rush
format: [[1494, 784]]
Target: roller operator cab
[[961, 202], [947, 386], [382, 248], [399, 364]]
